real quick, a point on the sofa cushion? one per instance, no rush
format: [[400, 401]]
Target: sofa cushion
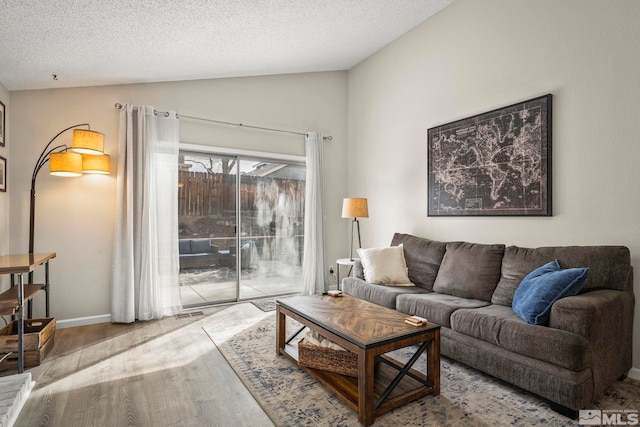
[[517, 263], [377, 294], [200, 246], [385, 266], [423, 258], [435, 307], [499, 325], [469, 270], [609, 267], [542, 287]]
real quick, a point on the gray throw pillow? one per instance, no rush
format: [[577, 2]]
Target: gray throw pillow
[[423, 258], [469, 270]]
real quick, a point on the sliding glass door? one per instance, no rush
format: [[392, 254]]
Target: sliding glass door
[[241, 227], [272, 227], [207, 215]]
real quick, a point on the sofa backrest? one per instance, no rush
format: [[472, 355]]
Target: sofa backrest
[[609, 267], [493, 272], [469, 270], [423, 258]]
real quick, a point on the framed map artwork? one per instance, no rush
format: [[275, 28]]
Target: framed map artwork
[[493, 164]]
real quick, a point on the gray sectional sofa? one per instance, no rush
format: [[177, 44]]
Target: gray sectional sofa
[[468, 289]]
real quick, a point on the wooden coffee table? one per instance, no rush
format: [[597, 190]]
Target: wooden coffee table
[[370, 331]]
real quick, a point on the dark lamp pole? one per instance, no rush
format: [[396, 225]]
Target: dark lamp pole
[[66, 164]]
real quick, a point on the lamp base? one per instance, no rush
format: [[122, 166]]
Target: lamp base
[[357, 224]]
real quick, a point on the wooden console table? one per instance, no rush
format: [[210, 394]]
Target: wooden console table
[[12, 300]]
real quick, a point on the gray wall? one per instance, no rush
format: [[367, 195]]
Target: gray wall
[[478, 55], [75, 216]]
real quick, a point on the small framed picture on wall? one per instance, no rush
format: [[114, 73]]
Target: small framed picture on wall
[[3, 174], [2, 124]]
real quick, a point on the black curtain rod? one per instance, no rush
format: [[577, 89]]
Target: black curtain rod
[[329, 138]]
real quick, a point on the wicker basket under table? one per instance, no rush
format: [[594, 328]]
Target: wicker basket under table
[[342, 362]]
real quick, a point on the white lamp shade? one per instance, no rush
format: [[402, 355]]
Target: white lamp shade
[[94, 163], [355, 208], [87, 141], [65, 164]]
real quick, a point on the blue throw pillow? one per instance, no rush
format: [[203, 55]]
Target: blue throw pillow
[[542, 287]]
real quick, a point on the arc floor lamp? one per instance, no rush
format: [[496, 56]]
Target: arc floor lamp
[[85, 155]]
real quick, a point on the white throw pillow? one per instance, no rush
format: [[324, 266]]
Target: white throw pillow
[[385, 266]]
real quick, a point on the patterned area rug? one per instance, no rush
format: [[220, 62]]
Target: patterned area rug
[[267, 304], [291, 398]]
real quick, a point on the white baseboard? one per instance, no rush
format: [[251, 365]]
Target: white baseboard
[[634, 373], [83, 321]]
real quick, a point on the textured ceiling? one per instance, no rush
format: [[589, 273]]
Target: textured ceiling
[[101, 42]]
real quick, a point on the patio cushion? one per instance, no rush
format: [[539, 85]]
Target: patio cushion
[[184, 246], [200, 246]]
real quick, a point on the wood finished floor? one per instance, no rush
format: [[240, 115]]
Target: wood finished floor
[[156, 373]]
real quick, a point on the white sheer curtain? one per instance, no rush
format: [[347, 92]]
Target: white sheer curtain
[[145, 260], [313, 263]]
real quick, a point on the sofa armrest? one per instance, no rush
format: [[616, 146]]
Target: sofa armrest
[[351, 279], [605, 318], [358, 270], [592, 313], [350, 283]]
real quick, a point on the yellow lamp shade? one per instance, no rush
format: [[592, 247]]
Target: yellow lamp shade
[[92, 163], [65, 164], [87, 141], [355, 208]]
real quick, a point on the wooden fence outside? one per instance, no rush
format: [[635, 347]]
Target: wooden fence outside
[[205, 194]]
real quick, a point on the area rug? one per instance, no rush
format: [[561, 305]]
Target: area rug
[[291, 398], [267, 304]]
